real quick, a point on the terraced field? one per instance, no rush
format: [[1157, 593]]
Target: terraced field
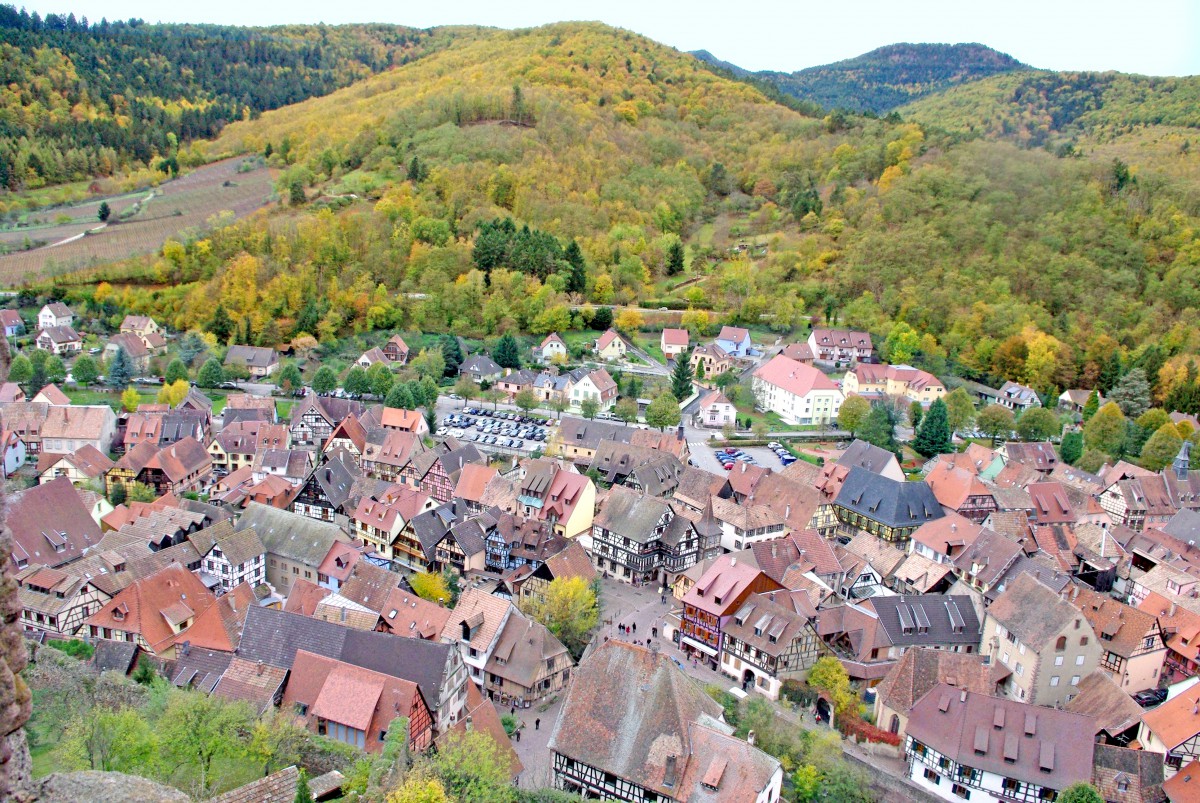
[[186, 202]]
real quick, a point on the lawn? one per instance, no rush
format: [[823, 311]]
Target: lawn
[[652, 345], [147, 393]]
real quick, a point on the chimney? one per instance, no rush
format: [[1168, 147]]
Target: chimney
[[258, 668], [470, 723], [751, 737], [733, 562], [669, 772], [787, 511]]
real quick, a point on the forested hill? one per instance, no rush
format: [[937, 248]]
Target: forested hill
[[885, 78], [1038, 108], [80, 99]]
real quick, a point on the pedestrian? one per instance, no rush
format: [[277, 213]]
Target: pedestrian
[[635, 627], [664, 599], [537, 724], [513, 711], [517, 733]]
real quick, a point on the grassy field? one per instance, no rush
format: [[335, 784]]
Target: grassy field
[[184, 203], [148, 394]]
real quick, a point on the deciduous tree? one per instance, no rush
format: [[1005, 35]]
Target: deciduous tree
[[663, 412], [569, 611], [289, 377], [130, 399], [853, 413], [995, 421], [526, 399], [21, 370], [176, 370], [1038, 424], [960, 409], [173, 393], [1105, 432], [325, 380], [356, 382], [589, 407], [1162, 447], [627, 410], [84, 371], [430, 586], [211, 374]]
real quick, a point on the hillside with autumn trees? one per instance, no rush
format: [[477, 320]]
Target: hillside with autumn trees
[[82, 100], [971, 253]]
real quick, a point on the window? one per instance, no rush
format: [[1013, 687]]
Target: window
[[1074, 680], [1061, 644], [1020, 670], [1078, 660], [1054, 680], [932, 776], [1083, 641], [1058, 660], [961, 791]]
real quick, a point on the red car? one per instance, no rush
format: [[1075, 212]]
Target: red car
[[727, 466]]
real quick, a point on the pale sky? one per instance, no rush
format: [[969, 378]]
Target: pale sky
[[1153, 37]]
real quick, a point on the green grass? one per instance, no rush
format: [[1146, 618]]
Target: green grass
[[148, 394], [652, 345]]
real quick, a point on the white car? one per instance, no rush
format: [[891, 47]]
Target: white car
[[441, 431]]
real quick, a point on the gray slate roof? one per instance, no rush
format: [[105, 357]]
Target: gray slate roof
[[631, 514], [893, 503], [290, 535], [114, 656], [927, 619]]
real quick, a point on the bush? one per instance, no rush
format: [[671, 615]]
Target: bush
[[74, 648], [799, 693], [865, 732]]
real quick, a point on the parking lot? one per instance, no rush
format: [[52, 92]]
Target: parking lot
[[497, 429], [705, 457]]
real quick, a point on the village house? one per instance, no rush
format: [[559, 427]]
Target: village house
[[388, 453], [327, 490], [569, 563], [564, 499], [577, 439], [800, 352], [1017, 397], [964, 745], [718, 593], [960, 491], [26, 420], [153, 611], [1173, 729], [715, 411], [396, 350], [876, 381], [56, 602], [551, 349], [798, 393], [922, 668], [1131, 640], [12, 322], [66, 429], [611, 346], [674, 342], [1046, 642], [133, 347], [734, 341], [744, 524], [58, 340], [372, 357], [354, 705], [81, 467], [257, 361], [770, 638], [12, 452], [275, 637], [709, 361], [1075, 399], [140, 325], [295, 545], [292, 465], [55, 314], [596, 386], [236, 445], [399, 420], [640, 539], [379, 520], [178, 468], [701, 760], [882, 506], [480, 368], [230, 556], [841, 346], [314, 418], [1139, 502]]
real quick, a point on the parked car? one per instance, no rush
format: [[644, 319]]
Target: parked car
[[1150, 697]]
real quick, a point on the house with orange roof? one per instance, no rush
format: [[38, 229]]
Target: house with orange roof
[[70, 427], [611, 346], [180, 467], [153, 611], [961, 491], [349, 436], [943, 540], [353, 705], [564, 499], [472, 481], [875, 380], [1173, 728], [405, 614], [571, 563], [1131, 639], [674, 342], [404, 421], [1181, 634], [337, 565], [219, 626], [12, 322], [798, 393], [475, 625]]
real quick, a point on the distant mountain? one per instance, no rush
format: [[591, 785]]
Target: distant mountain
[[886, 78]]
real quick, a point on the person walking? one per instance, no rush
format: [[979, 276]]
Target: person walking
[[517, 733], [537, 724], [635, 627]]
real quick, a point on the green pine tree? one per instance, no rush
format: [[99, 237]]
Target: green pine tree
[[120, 370], [675, 258], [452, 352], [577, 268], [681, 377], [933, 436], [221, 324], [507, 353], [1072, 447], [1091, 405]]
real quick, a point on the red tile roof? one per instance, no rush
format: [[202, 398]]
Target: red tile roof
[[793, 377]]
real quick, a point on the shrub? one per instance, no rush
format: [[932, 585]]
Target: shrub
[[74, 648]]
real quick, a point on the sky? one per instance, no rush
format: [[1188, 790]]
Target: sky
[[1153, 37]]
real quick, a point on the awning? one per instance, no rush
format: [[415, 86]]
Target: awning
[[702, 647]]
